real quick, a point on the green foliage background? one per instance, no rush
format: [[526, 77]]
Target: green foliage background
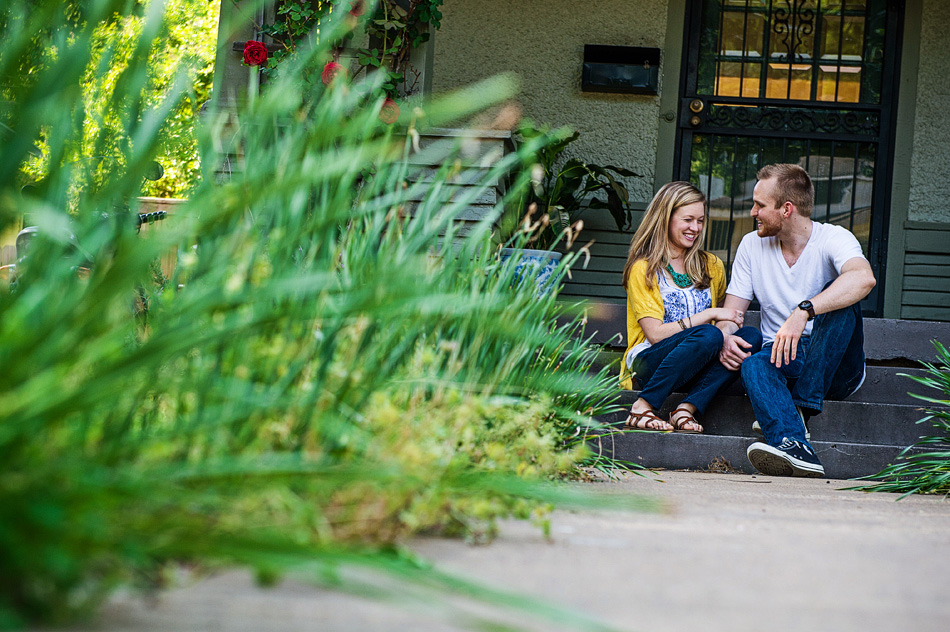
[[183, 53]]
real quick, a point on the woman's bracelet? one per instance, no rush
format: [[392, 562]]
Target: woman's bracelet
[[690, 319], [681, 324]]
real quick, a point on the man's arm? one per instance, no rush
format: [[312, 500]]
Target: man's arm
[[733, 350], [854, 283]]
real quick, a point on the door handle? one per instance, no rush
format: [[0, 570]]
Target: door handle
[[696, 106]]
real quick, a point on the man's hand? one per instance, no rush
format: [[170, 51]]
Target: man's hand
[[733, 351], [785, 347]]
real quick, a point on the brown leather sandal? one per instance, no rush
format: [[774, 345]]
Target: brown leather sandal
[[685, 418], [643, 421]]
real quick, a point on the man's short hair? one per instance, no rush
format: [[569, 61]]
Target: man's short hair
[[792, 184]]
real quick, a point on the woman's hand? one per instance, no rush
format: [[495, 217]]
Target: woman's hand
[[720, 314], [656, 330]]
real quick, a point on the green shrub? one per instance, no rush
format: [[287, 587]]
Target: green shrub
[[182, 52], [924, 468]]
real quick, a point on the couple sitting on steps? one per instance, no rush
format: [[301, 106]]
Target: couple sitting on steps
[[685, 327]]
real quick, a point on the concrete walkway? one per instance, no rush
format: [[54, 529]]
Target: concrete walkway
[[731, 552]]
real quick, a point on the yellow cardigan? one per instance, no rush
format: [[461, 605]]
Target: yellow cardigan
[[647, 302]]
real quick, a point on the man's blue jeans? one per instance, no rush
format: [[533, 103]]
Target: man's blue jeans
[[689, 358], [829, 364]]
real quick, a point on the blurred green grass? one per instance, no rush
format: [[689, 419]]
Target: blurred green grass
[[327, 371]]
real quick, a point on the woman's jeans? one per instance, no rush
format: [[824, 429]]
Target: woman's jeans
[[689, 358], [829, 364]]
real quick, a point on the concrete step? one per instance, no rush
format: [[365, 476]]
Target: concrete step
[[846, 421], [892, 385], [654, 450]]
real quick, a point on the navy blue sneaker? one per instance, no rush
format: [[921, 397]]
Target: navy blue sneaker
[[790, 458]]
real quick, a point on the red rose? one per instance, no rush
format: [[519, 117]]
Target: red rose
[[331, 71], [389, 113], [255, 53], [357, 8]]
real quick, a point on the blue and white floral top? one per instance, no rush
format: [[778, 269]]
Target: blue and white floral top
[[678, 303]]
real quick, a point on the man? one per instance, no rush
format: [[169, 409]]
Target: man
[[809, 278]]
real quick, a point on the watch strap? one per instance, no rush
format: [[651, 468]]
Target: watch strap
[[807, 307]]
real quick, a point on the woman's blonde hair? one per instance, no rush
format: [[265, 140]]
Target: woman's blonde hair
[[652, 239]]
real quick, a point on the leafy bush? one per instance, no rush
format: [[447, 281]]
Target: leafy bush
[[390, 30], [326, 371], [182, 52], [926, 472]]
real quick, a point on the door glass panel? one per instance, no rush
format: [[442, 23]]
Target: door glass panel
[[873, 54], [852, 38], [755, 34], [751, 77], [827, 83], [849, 84], [732, 40], [730, 74], [801, 82], [777, 82], [863, 193], [830, 37], [810, 39]]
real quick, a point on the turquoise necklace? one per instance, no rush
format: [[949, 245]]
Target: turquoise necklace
[[681, 280]]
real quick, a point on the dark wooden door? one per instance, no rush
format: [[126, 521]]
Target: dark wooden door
[[812, 82]]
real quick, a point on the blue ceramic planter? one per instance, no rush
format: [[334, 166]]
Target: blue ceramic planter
[[535, 266]]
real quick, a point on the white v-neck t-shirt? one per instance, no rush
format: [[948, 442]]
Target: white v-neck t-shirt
[[760, 271]]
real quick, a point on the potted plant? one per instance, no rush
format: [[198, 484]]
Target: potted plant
[[553, 193], [562, 190]]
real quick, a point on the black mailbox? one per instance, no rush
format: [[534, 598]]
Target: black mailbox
[[630, 69]]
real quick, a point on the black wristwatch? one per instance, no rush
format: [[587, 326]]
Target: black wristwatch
[[808, 307]]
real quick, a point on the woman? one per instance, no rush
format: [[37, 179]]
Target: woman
[[673, 290]]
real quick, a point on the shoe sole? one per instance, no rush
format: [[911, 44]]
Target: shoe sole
[[774, 465]]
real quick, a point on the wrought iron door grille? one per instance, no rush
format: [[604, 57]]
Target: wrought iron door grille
[[807, 50], [724, 167], [791, 121]]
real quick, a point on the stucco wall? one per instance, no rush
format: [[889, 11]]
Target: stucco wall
[[930, 164], [543, 42]]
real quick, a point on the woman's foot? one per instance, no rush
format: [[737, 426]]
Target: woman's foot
[[647, 420], [682, 420]]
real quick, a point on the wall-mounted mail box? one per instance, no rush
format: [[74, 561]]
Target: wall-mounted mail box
[[630, 69]]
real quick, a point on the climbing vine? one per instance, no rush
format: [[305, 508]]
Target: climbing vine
[[382, 39]]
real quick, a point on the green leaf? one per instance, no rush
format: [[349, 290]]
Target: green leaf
[[623, 172]]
